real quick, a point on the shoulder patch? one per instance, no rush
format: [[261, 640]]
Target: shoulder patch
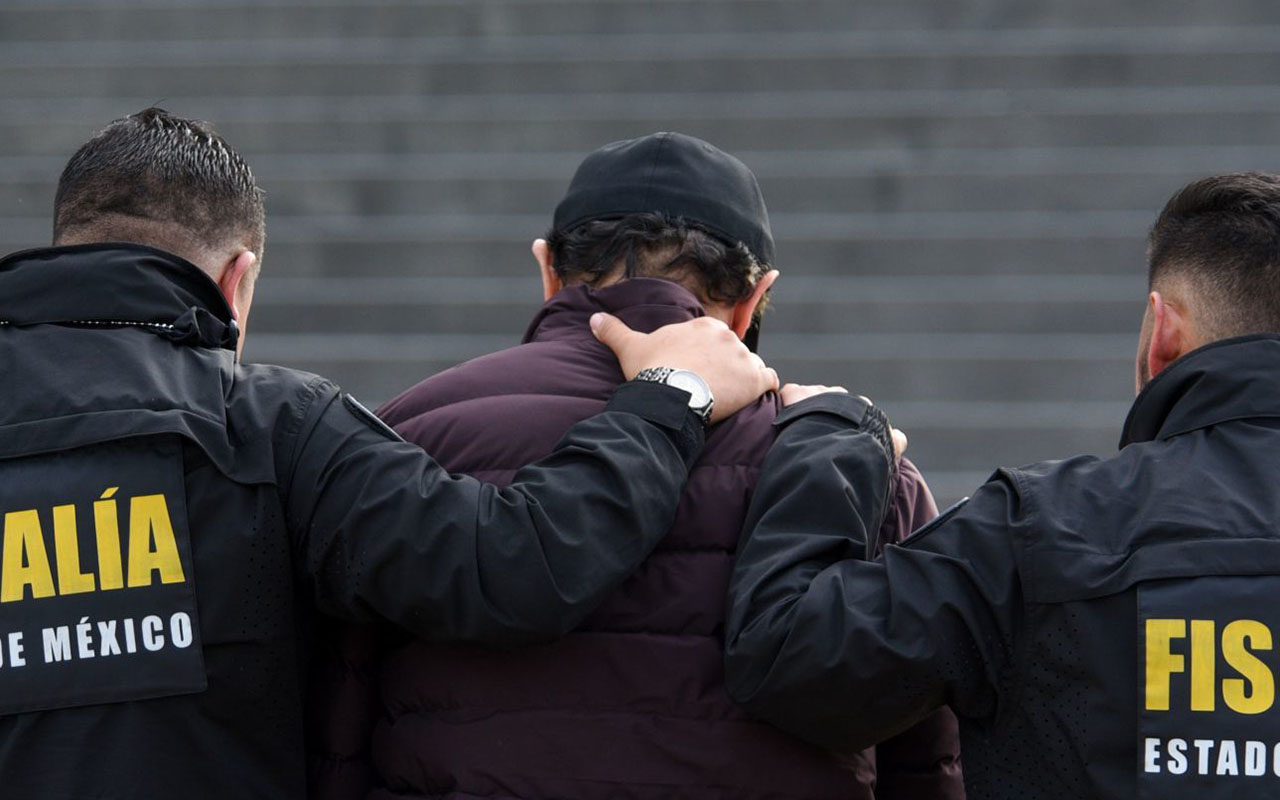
[[933, 524], [369, 418]]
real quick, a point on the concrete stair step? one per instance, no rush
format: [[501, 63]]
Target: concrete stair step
[[1058, 118], [160, 19], [1121, 162], [886, 194], [416, 46], [505, 252], [972, 179], [411, 67], [955, 463], [801, 200], [425, 47], [975, 304], [960, 243], [979, 449]]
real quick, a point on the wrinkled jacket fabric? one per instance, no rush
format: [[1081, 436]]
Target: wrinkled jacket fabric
[[1078, 615], [631, 704], [182, 516]]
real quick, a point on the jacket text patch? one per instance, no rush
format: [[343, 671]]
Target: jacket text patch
[[1209, 726], [97, 603]]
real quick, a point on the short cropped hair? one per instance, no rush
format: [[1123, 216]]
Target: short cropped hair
[[654, 245], [1222, 235], [158, 168]]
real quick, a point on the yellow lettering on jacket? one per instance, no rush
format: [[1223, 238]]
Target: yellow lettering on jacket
[[150, 554], [24, 562], [106, 527], [1256, 691], [149, 522], [67, 546], [1248, 688], [1161, 661], [1203, 665]]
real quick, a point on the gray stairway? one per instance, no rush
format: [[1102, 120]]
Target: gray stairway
[[960, 190]]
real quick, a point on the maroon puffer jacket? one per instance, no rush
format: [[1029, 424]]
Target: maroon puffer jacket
[[632, 703]]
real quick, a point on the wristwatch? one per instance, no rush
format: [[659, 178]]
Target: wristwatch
[[700, 400]]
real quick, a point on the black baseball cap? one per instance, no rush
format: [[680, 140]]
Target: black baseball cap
[[673, 174]]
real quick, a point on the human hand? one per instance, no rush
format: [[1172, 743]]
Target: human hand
[[704, 345], [794, 393], [899, 443]]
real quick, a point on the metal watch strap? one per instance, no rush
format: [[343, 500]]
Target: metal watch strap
[[655, 374], [660, 375]]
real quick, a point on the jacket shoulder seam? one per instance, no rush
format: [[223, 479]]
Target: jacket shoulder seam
[[307, 396]]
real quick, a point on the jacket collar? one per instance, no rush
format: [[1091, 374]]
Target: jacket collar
[[116, 284], [645, 304], [1225, 380]]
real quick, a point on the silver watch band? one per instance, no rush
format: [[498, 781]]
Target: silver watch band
[[655, 374], [661, 375]]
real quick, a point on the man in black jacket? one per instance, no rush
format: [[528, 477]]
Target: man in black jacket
[[1102, 627], [173, 518]]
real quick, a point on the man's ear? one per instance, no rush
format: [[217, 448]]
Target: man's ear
[[235, 281], [1171, 334], [551, 283], [745, 309]]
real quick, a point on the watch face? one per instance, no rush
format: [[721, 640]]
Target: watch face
[[691, 383]]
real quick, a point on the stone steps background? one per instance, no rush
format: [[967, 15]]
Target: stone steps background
[[960, 190]]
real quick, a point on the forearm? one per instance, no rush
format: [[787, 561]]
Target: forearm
[[846, 651], [389, 534], [823, 664], [821, 498]]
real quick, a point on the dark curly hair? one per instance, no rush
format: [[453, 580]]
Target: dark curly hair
[[657, 245]]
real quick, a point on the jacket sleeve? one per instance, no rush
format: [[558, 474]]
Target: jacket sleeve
[[382, 531], [843, 651]]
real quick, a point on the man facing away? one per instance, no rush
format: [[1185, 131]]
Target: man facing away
[[1104, 627], [656, 230], [173, 519]]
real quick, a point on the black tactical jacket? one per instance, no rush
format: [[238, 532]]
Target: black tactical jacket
[[172, 519], [1103, 627]]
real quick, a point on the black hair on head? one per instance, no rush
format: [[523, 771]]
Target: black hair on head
[[654, 245], [157, 169], [1222, 236]]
